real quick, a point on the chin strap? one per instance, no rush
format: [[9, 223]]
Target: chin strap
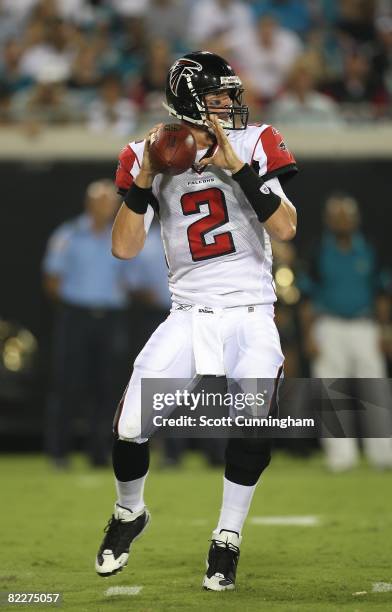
[[174, 113]]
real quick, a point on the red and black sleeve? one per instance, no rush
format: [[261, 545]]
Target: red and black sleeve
[[280, 161], [124, 178]]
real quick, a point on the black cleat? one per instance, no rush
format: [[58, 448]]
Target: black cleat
[[222, 561], [122, 529]]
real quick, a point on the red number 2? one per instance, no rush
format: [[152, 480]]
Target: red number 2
[[222, 244]]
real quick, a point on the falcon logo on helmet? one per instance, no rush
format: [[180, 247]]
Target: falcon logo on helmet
[[196, 75], [182, 68]]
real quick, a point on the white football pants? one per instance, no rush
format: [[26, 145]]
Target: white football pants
[[350, 349], [248, 341]]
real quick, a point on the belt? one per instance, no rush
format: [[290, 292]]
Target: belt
[[215, 309]]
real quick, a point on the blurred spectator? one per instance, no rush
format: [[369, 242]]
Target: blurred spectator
[[10, 72], [77, 11], [108, 52], [46, 10], [290, 14], [227, 23], [167, 21], [324, 12], [356, 19], [343, 289], [360, 91], [267, 57], [111, 111], [48, 101], [301, 104], [6, 116], [19, 9], [8, 26], [85, 75], [147, 91], [151, 298], [331, 48], [383, 8], [132, 42], [137, 39], [48, 42], [90, 348], [131, 8], [150, 278], [383, 56]]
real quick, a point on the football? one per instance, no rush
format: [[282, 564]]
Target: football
[[173, 149]]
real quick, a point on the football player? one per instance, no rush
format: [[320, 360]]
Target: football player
[[217, 220]]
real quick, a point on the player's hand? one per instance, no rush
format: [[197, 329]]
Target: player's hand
[[147, 171], [225, 157]]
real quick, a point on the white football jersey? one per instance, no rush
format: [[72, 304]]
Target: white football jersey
[[218, 253]]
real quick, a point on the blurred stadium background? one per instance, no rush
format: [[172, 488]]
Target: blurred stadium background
[[79, 79]]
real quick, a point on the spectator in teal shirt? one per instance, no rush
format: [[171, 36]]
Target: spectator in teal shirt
[[345, 309], [343, 277]]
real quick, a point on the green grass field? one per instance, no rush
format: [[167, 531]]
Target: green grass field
[[52, 525]]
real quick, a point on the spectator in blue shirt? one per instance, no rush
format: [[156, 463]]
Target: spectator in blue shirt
[[90, 288], [344, 291], [149, 275]]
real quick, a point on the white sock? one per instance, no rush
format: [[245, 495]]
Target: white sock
[[235, 506], [130, 494]]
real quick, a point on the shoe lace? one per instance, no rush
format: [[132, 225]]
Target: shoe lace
[[224, 559], [117, 533]]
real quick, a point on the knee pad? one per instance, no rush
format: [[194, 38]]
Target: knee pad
[[246, 459], [130, 459]]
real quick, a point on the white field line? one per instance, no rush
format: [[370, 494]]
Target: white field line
[[381, 587], [300, 521], [123, 590]]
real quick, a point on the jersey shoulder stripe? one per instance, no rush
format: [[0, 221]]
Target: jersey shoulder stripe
[[271, 157]]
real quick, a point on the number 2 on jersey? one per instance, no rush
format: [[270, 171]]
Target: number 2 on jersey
[[223, 243]]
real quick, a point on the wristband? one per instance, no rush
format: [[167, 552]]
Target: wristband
[[138, 198], [263, 201]]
